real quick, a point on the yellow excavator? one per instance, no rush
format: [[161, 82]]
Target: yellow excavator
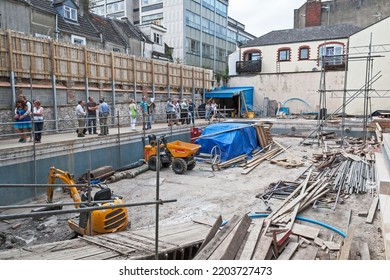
[[103, 220]]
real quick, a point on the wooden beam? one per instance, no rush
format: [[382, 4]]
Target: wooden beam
[[218, 238], [253, 238], [347, 243], [305, 231], [211, 233], [372, 211], [288, 251], [237, 239], [263, 249]]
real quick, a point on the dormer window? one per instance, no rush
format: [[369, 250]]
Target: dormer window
[[70, 13]]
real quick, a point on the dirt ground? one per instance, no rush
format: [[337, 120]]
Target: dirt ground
[[203, 193]]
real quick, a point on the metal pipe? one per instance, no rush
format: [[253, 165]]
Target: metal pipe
[[46, 185], [81, 210], [157, 195], [7, 207]]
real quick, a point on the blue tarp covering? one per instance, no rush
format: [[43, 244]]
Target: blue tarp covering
[[232, 143], [225, 92]]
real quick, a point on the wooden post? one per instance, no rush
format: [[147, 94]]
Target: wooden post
[[113, 113], [86, 72], [153, 80], [181, 81], [11, 69], [135, 79], [168, 81], [54, 83]]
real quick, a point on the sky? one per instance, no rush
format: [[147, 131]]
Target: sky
[[263, 16]]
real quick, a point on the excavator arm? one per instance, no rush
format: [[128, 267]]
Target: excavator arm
[[66, 178]]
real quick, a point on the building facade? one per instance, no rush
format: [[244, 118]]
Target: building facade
[[361, 13], [200, 32], [297, 65]]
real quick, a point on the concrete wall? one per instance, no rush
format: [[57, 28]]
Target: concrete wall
[[43, 23], [73, 156], [381, 62], [15, 16], [281, 87]]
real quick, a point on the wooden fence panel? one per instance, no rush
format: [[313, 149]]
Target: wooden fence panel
[[160, 73], [174, 75], [4, 61], [40, 58]]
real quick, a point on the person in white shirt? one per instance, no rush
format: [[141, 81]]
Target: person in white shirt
[[80, 114], [38, 121]]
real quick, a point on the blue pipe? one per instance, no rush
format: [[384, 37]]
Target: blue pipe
[[254, 216]]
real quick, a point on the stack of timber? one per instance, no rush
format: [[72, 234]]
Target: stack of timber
[[263, 131], [244, 238], [240, 239]]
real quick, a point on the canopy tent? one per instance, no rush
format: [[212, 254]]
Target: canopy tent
[[244, 93], [234, 139]]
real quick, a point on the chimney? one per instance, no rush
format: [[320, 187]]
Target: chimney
[[313, 13]]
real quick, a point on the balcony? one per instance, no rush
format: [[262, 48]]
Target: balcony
[[249, 66]]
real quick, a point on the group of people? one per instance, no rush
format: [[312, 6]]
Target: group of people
[[178, 111], [146, 108], [211, 110], [182, 111], [86, 114], [26, 114]]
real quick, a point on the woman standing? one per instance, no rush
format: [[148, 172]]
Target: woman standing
[[38, 121], [22, 120], [133, 114]]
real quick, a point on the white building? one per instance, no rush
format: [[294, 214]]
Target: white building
[[199, 31], [286, 65]]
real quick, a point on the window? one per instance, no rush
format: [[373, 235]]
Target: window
[[220, 31], [78, 40], [252, 55], [208, 50], [151, 18], [207, 26], [193, 46], [331, 54], [193, 20], [70, 13], [157, 38], [284, 54], [304, 53]]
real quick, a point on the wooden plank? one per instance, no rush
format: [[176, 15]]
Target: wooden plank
[[211, 233], [253, 238], [308, 253], [238, 237], [288, 251], [101, 256], [347, 243], [263, 249], [364, 251], [280, 206], [333, 246], [318, 241], [218, 238], [305, 231], [101, 244], [241, 249], [371, 212]]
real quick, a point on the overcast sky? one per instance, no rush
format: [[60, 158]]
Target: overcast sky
[[263, 16]]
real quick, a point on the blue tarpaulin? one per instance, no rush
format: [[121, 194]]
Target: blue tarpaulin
[[234, 139], [225, 92]]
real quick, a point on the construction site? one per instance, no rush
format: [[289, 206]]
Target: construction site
[[283, 169], [295, 198]]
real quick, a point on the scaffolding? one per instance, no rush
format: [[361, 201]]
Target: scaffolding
[[366, 91]]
